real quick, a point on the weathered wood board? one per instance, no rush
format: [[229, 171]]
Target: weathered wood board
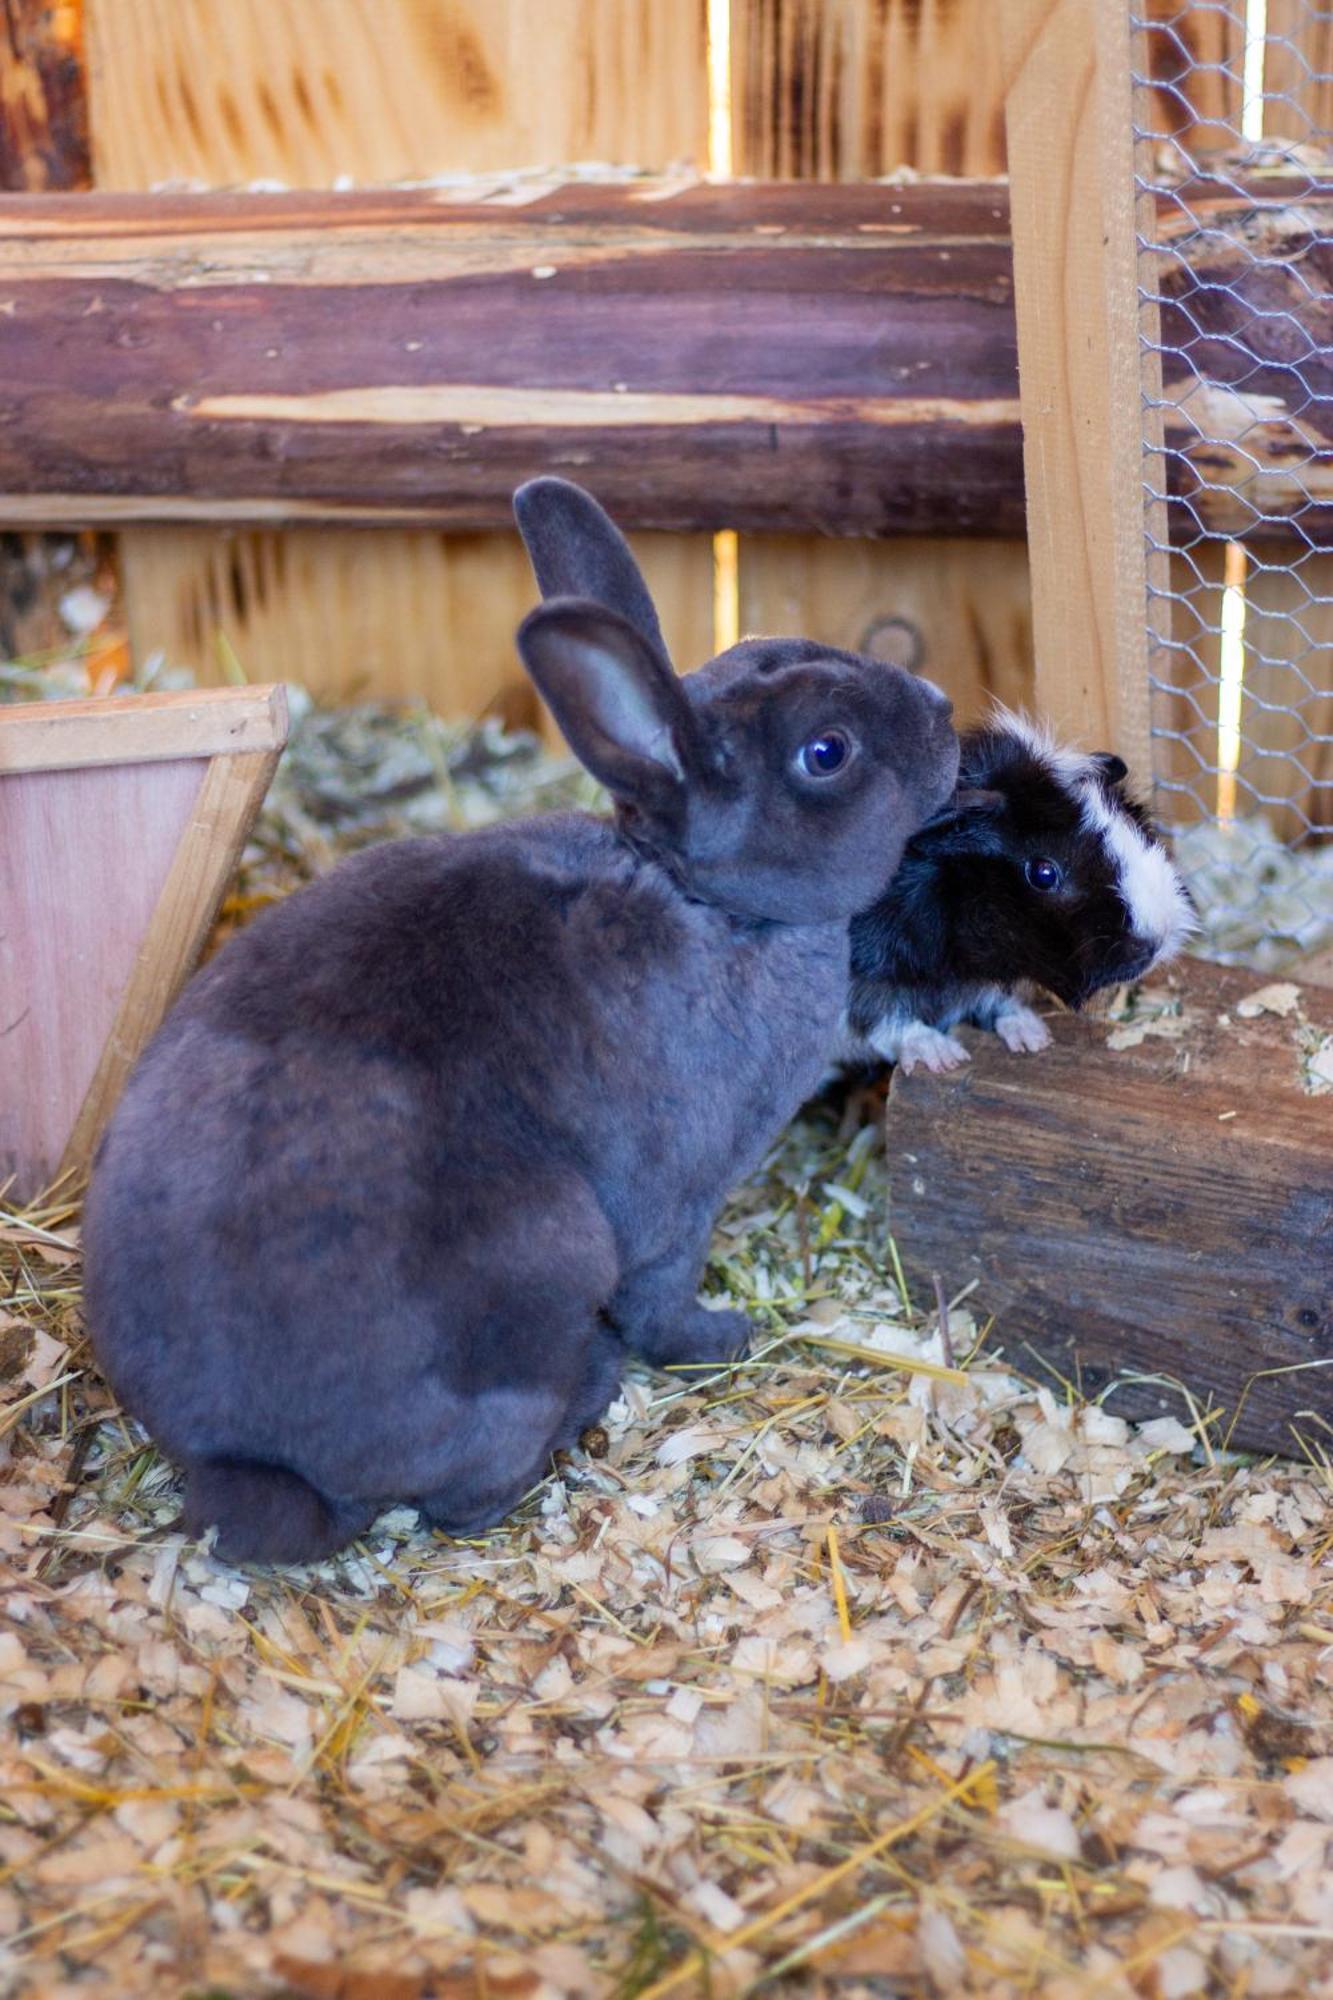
[[120, 823], [1159, 1211], [765, 356]]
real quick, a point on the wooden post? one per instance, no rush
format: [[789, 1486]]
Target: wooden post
[[847, 90], [121, 822], [1075, 218]]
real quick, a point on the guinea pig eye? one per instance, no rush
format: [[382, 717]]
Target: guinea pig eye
[[824, 754], [1043, 874]]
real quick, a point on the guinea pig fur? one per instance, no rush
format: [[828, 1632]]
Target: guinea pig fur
[[1042, 875]]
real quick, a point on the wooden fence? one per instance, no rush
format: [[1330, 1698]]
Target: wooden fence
[[317, 94]]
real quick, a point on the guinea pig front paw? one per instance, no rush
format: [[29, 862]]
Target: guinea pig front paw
[[923, 1047], [1023, 1031]]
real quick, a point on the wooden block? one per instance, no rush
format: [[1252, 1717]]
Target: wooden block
[[120, 824], [1161, 1213]]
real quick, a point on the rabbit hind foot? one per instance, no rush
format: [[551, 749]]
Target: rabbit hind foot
[[267, 1513]]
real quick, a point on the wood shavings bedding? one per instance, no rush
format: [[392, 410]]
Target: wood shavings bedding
[[871, 1665]]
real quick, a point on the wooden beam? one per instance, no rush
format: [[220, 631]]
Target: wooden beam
[[1075, 215], [835, 360], [1154, 1213], [141, 729], [779, 356]]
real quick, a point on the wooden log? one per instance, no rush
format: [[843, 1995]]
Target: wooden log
[[1147, 1214], [746, 356], [794, 357], [120, 824]]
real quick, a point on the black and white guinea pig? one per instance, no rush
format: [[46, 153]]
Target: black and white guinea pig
[[1042, 875]]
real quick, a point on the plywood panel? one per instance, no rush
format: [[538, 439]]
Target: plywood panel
[[84, 856], [310, 92], [849, 90], [840, 89], [379, 613], [957, 611]]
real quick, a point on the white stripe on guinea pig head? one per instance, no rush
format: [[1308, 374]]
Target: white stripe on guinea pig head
[[1146, 876]]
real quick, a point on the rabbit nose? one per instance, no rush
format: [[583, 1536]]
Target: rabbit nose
[[938, 696]]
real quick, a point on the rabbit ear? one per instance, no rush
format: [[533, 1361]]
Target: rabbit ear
[[577, 551], [620, 706], [1114, 769]]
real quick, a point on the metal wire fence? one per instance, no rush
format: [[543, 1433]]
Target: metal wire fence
[[1234, 130]]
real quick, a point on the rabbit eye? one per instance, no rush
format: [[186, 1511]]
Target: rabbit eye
[[1043, 874], [824, 754]]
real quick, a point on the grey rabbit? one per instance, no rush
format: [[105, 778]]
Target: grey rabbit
[[424, 1152], [1042, 875]]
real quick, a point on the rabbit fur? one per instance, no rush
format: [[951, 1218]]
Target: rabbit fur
[[428, 1148]]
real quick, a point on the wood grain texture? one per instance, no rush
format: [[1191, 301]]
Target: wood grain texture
[[140, 729], [386, 90], [1298, 74], [389, 90], [1070, 123], [43, 110], [756, 356], [1287, 720], [1164, 1211], [1193, 61], [224, 807], [84, 856], [846, 90], [120, 824], [841, 89], [958, 611], [1286, 763]]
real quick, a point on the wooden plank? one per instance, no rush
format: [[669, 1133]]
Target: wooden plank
[[844, 90], [230, 795], [1286, 769], [1286, 762], [1185, 641], [959, 611], [1075, 221], [866, 381], [1162, 1211], [1298, 74], [838, 89], [140, 729], [43, 146], [43, 111], [120, 824], [386, 90], [84, 856], [389, 90], [1192, 60]]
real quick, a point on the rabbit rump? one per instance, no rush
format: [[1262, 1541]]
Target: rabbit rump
[[1042, 875], [425, 1151]]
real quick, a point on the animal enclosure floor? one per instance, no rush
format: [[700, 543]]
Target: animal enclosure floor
[[864, 1667]]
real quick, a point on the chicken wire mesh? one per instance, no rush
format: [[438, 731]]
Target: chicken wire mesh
[[1234, 140]]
